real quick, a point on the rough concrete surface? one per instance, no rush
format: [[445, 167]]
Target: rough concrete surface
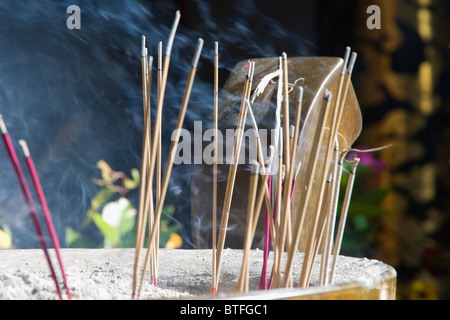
[[106, 274]]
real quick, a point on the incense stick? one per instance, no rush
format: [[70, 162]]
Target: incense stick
[[277, 209], [159, 156], [333, 190], [216, 132], [337, 115], [28, 199], [45, 209], [287, 160], [233, 170], [269, 228], [148, 184], [242, 284], [287, 148], [147, 195], [173, 148], [298, 224], [145, 174], [343, 218], [286, 224]]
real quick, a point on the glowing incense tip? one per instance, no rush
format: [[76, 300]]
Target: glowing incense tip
[[160, 55], [3, 125], [346, 57], [26, 151], [216, 48], [172, 34], [351, 64], [143, 47], [300, 94], [284, 55], [198, 52]]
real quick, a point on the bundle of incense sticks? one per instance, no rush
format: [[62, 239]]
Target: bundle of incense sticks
[[275, 191], [9, 146], [268, 192], [150, 210]]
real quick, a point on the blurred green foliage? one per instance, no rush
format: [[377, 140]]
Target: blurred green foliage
[[114, 216]]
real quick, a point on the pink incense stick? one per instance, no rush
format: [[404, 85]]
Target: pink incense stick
[[44, 206], [28, 199]]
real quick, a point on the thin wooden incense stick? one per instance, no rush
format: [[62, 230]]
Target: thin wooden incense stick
[[148, 184], [262, 163], [154, 267], [45, 209], [339, 170], [324, 246], [253, 185], [267, 241], [277, 209], [250, 233], [216, 133], [287, 156], [330, 221], [159, 156], [343, 218], [174, 145], [298, 224], [145, 178], [159, 152], [276, 268], [233, 170], [286, 229], [337, 115], [292, 167], [12, 155], [287, 148]]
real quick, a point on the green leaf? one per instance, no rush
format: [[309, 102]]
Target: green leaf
[[101, 198], [133, 183]]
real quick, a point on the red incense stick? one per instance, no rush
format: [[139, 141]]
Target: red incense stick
[[28, 199], [43, 202]]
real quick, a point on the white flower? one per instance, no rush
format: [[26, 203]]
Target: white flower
[[115, 211]]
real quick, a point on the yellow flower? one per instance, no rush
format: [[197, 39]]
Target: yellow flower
[[5, 240], [175, 241]]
